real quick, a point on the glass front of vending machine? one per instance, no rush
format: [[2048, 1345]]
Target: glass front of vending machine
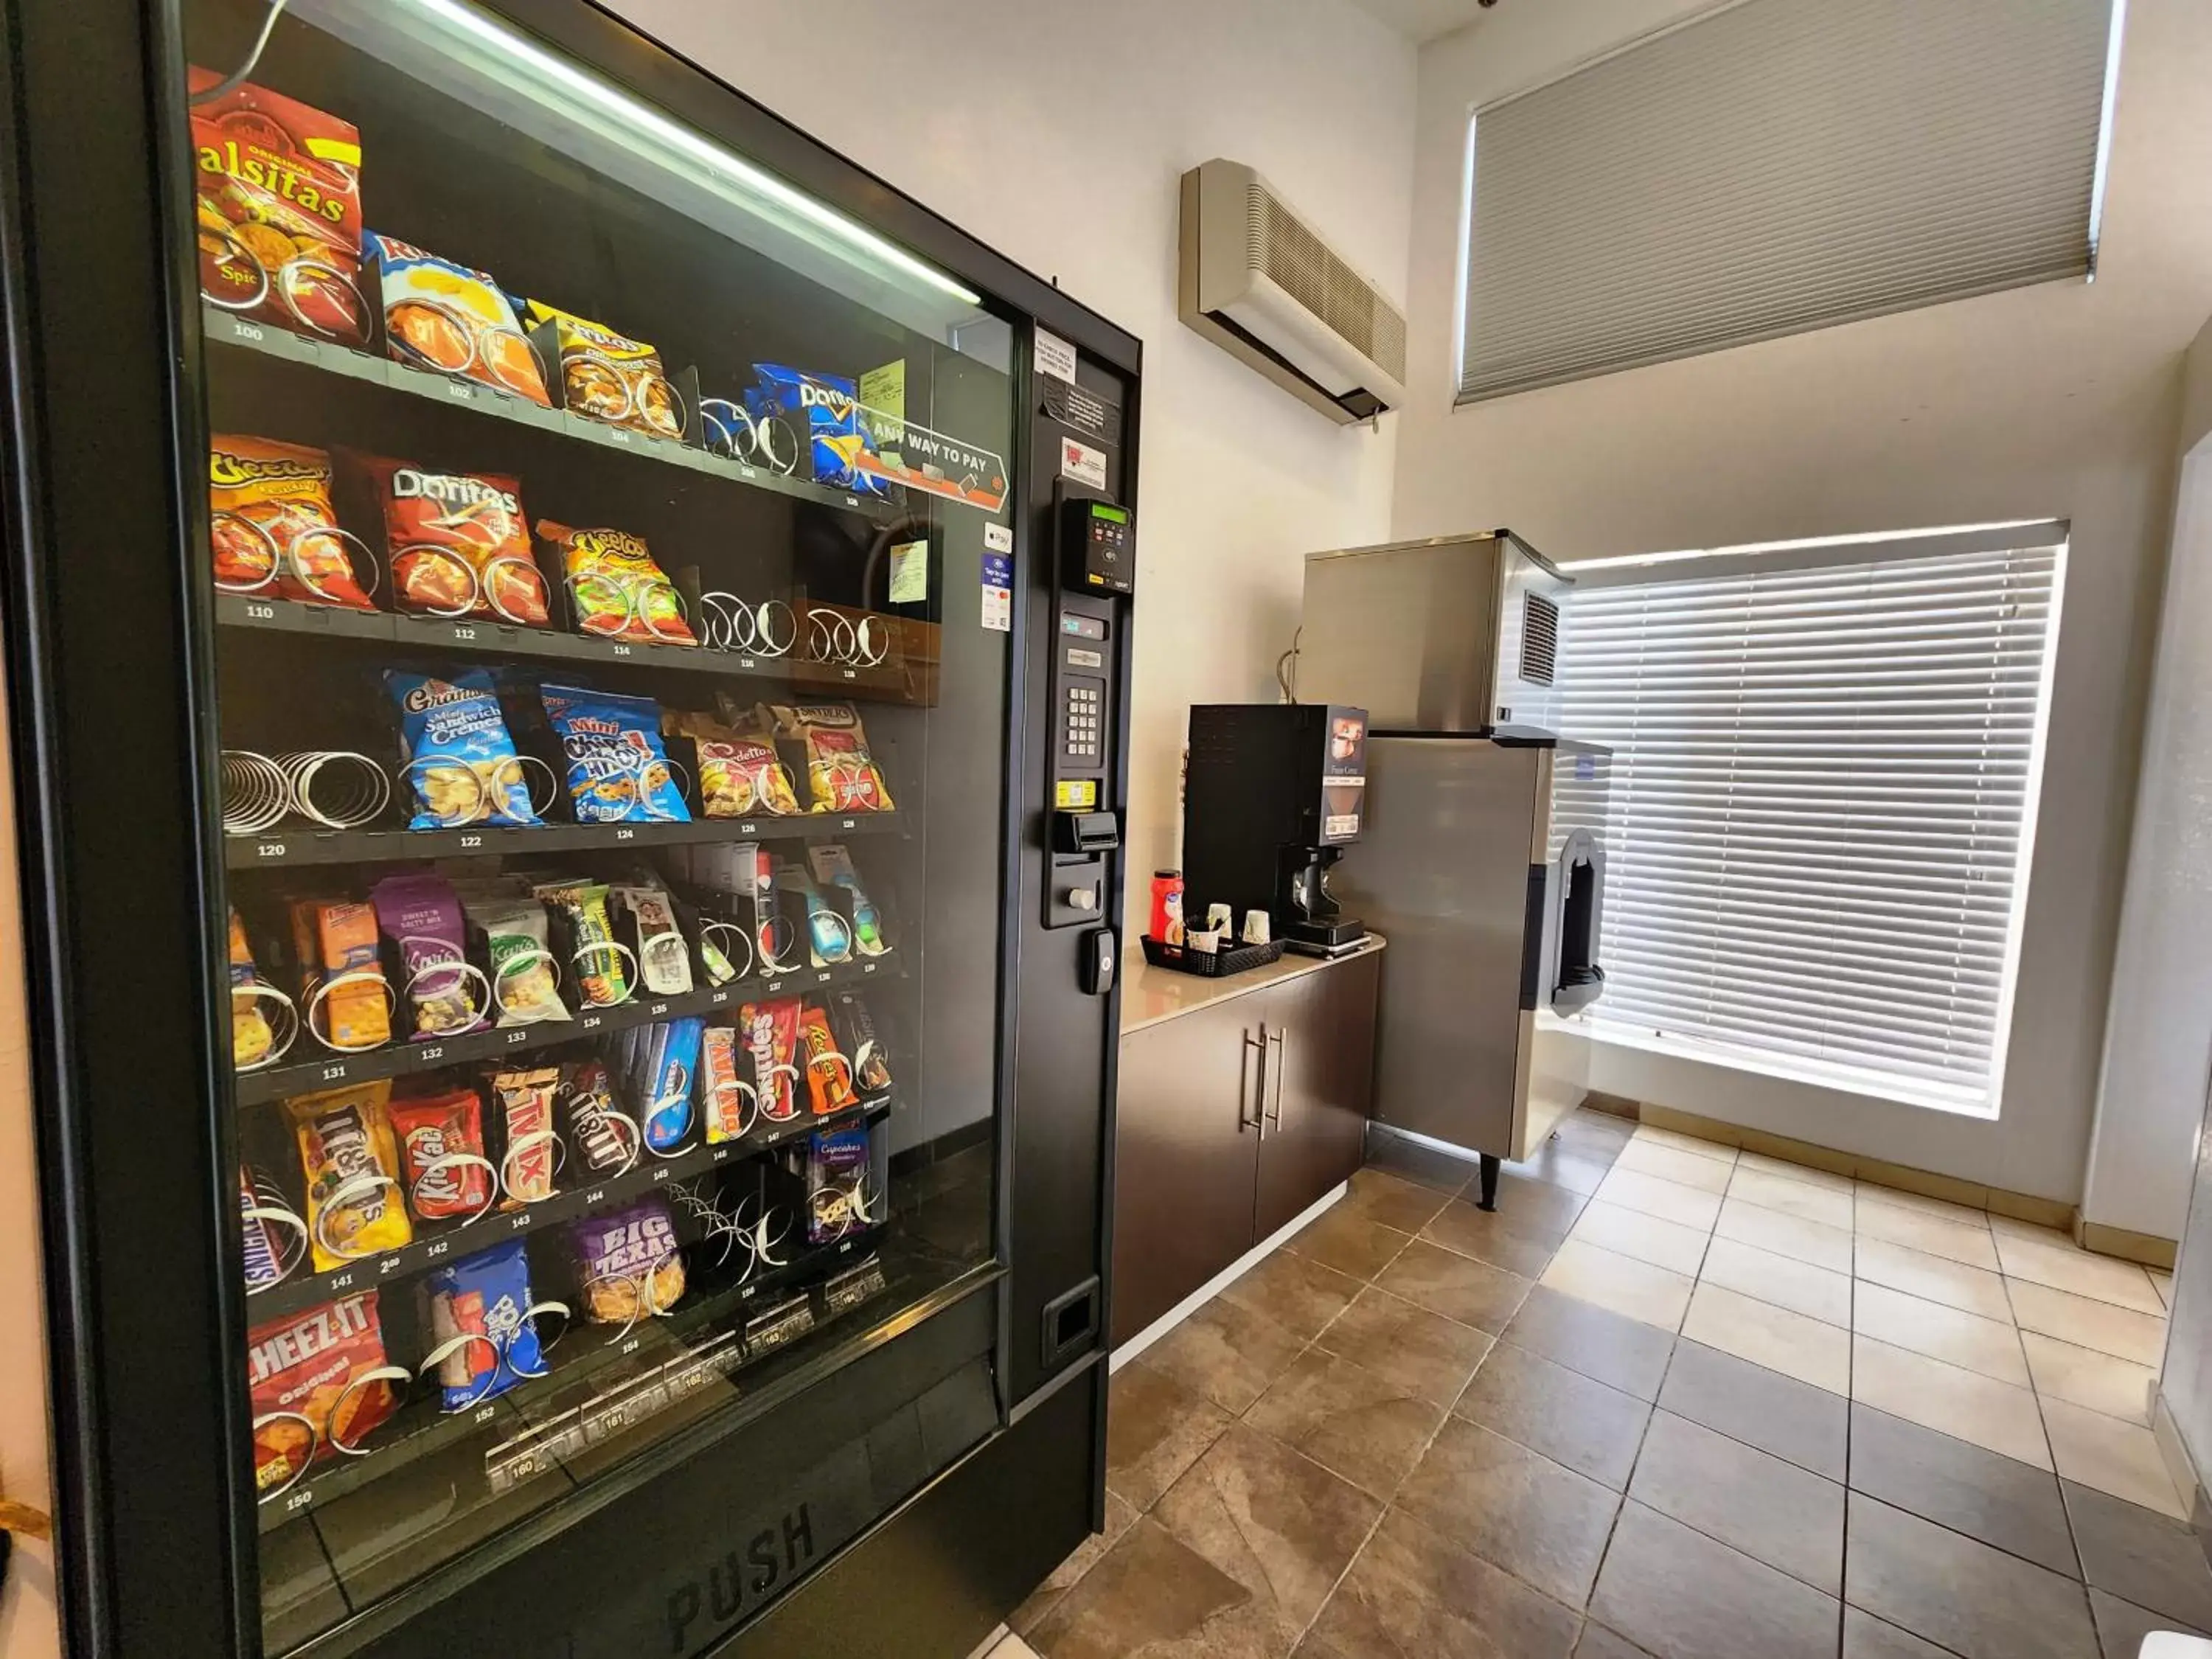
[[520, 618]]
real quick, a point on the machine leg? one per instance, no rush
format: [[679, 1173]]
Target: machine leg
[[1489, 1201]]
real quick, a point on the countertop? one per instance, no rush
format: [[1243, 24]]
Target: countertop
[[1150, 994]]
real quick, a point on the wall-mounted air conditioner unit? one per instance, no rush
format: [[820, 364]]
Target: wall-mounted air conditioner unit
[[1258, 282]]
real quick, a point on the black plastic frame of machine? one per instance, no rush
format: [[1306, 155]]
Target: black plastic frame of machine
[[109, 663]]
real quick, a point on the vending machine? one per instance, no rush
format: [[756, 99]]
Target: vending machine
[[567, 658]]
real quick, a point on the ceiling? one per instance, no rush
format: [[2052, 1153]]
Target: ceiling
[[1422, 20]]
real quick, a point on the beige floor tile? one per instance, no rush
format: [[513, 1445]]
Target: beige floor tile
[[1916, 1232], [2102, 1276], [1785, 1235], [1774, 1337], [1670, 1200], [2082, 1376], [1620, 1284], [1802, 1172], [1646, 1238], [1873, 1192], [1957, 1338], [1781, 1280], [1672, 1164], [2120, 1458], [2013, 1225], [2087, 1322], [2163, 1284], [1654, 1135], [1919, 1273], [1963, 1403], [1779, 1192]]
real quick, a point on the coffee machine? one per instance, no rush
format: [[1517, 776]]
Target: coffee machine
[[1275, 793]]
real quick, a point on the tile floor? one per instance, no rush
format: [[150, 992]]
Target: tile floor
[[1666, 1401]]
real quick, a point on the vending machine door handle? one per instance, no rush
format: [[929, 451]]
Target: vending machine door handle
[[1101, 948]]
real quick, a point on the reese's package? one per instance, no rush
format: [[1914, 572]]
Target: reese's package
[[277, 201], [840, 776], [462, 763], [442, 316], [355, 1206], [617, 771], [616, 589], [436, 1132], [459, 543], [484, 1297], [305, 1366], [829, 1070], [610, 377], [272, 527], [628, 1262]]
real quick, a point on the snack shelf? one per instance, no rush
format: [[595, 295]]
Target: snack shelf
[[463, 1239], [476, 637], [420, 1429], [331, 1071], [221, 327], [289, 848]]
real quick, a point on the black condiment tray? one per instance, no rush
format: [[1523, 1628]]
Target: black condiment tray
[[1210, 964]]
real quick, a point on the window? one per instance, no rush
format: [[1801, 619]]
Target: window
[[1822, 800], [1776, 165]]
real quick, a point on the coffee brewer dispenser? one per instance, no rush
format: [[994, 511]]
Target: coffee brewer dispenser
[[1275, 791]]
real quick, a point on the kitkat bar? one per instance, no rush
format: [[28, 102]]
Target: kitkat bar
[[442, 1151]]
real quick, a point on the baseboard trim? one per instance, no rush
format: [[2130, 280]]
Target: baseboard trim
[[1220, 1282], [2052, 1212]]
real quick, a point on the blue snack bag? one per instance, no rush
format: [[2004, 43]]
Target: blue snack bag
[[825, 411], [618, 772], [461, 762], [671, 1064], [479, 1314]]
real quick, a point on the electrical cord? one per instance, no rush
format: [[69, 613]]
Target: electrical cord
[[236, 78]]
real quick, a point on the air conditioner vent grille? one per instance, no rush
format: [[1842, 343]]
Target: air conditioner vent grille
[[1539, 639], [1300, 263]]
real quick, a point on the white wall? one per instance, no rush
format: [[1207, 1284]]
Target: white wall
[[2158, 1035], [1056, 133], [2059, 401]]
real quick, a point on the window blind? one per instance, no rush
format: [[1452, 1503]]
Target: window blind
[[1821, 801], [1777, 166]]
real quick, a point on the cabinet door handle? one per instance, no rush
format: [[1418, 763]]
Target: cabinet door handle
[[1259, 1096], [1282, 1041]]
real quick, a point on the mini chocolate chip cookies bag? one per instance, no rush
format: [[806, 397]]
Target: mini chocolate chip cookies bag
[[618, 773], [461, 762], [348, 1153]]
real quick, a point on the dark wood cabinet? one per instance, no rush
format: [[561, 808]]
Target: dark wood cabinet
[[1232, 1118]]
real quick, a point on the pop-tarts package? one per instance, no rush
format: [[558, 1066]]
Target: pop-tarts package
[[460, 760], [485, 1295], [618, 772], [826, 409], [672, 1061]]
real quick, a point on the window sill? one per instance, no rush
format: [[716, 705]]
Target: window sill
[[1843, 1079]]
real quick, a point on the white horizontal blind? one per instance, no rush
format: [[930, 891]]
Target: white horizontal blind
[[1822, 788], [1778, 165]]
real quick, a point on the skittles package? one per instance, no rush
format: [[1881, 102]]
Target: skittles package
[[309, 1373], [616, 588], [606, 376], [771, 1039], [628, 1262], [463, 764], [277, 189], [351, 1162], [445, 317], [459, 544], [617, 771], [272, 527], [481, 1323]]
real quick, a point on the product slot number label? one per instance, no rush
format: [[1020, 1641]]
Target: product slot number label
[[258, 612], [514, 1039], [516, 1223], [621, 650], [593, 1022], [269, 849], [298, 1501], [656, 1010], [460, 392], [340, 1281], [485, 1413], [595, 1195], [469, 843], [462, 631], [662, 1174], [625, 835], [435, 1051], [436, 1247]]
